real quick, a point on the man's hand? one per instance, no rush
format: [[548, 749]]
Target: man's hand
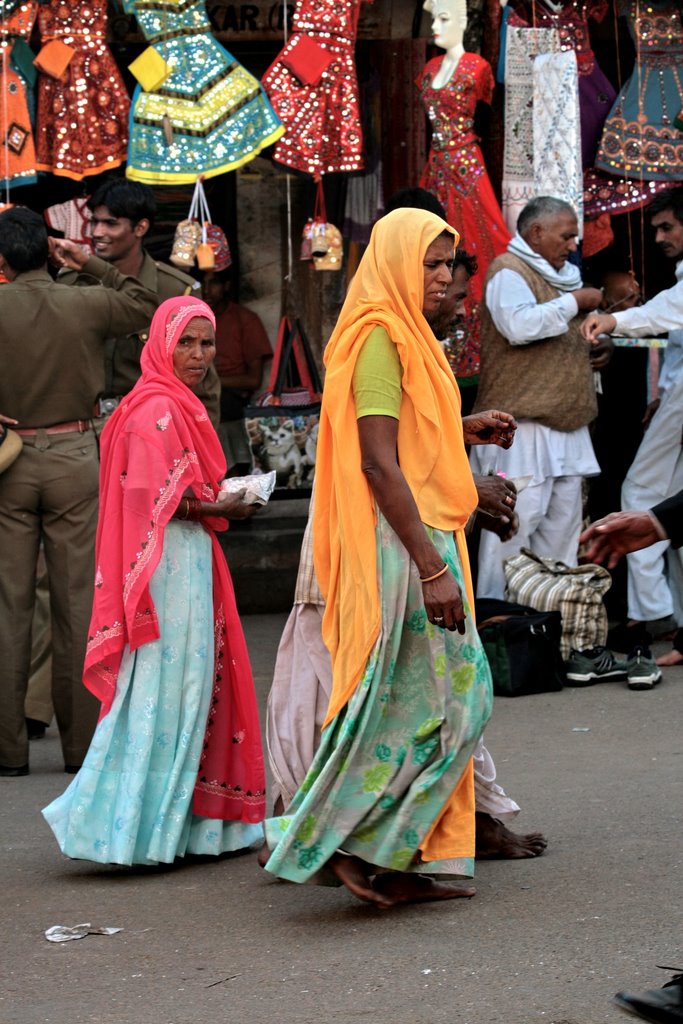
[[7, 419], [504, 528], [496, 496], [587, 299], [68, 254], [601, 352], [597, 323], [617, 534], [491, 427]]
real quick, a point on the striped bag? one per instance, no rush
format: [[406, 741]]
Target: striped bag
[[577, 593]]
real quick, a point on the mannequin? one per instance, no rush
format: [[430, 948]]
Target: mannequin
[[451, 86]]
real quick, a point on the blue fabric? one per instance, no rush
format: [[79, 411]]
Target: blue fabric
[[131, 802]]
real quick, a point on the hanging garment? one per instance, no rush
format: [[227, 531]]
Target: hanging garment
[[455, 171], [82, 117], [72, 218], [208, 116], [604, 193], [522, 45], [18, 157], [321, 114], [596, 92], [557, 131], [639, 139]]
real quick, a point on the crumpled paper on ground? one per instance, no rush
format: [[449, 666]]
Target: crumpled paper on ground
[[64, 933]]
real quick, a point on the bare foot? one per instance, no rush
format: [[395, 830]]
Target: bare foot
[[402, 887], [263, 856], [496, 842], [672, 658], [354, 874]]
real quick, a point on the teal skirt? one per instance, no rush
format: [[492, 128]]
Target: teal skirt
[[131, 802], [390, 760]]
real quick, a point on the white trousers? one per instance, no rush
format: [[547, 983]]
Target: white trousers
[[656, 473], [549, 524]]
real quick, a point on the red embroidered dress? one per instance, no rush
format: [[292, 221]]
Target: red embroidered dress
[[322, 121], [18, 158], [82, 118], [456, 173]]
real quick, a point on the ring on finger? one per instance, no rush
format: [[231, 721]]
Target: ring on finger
[[438, 619]]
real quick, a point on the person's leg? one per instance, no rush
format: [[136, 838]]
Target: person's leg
[[70, 494], [38, 705], [530, 508], [19, 513], [557, 533], [494, 840], [649, 595]]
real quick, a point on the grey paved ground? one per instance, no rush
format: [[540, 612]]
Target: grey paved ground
[[543, 942]]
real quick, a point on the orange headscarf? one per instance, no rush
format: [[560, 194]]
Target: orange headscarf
[[387, 290]]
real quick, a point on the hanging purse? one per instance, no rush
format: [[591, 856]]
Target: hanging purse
[[319, 226], [150, 69], [54, 58], [282, 424], [213, 252], [188, 235], [306, 59]]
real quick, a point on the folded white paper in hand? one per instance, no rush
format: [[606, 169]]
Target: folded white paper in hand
[[257, 488]]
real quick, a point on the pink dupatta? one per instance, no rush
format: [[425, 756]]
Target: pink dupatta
[[158, 444]]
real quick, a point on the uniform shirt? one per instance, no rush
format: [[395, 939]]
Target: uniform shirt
[[52, 341]]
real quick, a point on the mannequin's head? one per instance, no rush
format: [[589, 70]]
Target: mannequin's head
[[449, 21]]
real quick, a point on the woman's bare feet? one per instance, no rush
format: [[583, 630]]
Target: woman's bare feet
[[674, 657], [355, 875], [496, 842], [263, 856], [402, 887]]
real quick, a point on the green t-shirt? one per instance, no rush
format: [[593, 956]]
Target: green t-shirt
[[377, 377]]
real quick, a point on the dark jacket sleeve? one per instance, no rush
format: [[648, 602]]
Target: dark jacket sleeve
[[670, 515]]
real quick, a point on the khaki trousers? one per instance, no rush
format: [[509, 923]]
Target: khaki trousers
[[50, 493], [38, 704]]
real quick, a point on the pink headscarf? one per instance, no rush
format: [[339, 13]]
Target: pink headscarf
[[158, 445]]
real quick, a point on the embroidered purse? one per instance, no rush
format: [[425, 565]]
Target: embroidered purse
[[54, 58], [306, 59], [150, 69]]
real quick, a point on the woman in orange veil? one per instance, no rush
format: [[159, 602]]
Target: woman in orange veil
[[387, 806]]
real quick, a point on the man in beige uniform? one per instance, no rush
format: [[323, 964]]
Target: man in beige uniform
[[123, 214], [52, 341]]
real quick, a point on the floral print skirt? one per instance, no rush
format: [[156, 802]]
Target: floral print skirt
[[391, 759], [131, 802]]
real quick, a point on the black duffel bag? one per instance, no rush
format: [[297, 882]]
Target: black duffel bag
[[522, 646]]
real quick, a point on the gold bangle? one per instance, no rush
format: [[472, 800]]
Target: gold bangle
[[428, 579]]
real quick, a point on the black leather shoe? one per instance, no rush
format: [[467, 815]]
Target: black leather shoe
[[13, 773], [660, 1005]]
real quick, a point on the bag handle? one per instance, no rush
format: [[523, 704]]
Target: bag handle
[[194, 205], [306, 364], [283, 348], [554, 566], [320, 210]]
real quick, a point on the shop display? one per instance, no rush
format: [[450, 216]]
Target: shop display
[[82, 116], [317, 100], [570, 19], [557, 130], [639, 138], [72, 218], [521, 46], [455, 171], [208, 116], [18, 160]]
